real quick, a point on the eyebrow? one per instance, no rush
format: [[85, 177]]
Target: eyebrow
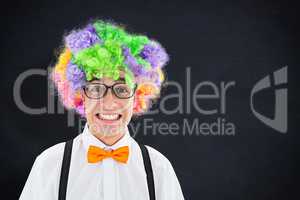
[[121, 79]]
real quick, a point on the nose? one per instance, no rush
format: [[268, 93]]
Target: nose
[[109, 95], [109, 99]]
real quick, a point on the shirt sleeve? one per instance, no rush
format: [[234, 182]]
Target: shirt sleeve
[[43, 180], [167, 186], [31, 189]]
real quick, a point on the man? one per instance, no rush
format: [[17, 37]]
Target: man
[[107, 75]]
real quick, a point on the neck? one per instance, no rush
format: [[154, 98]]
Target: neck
[[108, 139]]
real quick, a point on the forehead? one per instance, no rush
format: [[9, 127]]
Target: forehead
[[109, 80]]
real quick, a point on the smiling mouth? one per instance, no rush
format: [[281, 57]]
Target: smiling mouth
[[108, 117]]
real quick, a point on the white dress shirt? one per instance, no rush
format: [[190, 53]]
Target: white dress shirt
[[105, 180]]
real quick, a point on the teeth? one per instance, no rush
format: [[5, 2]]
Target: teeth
[[109, 117]]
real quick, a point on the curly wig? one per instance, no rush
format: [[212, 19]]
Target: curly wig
[[104, 48]]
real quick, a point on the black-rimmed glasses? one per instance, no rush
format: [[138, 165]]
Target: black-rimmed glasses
[[99, 90]]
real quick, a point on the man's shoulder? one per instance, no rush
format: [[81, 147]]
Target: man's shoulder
[[53, 154], [158, 159]]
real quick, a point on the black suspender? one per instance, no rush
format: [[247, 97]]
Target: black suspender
[[66, 166], [64, 174], [149, 172]]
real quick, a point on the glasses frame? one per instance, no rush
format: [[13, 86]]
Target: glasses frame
[[109, 87]]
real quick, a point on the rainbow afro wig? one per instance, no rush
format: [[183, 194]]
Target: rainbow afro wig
[[103, 48]]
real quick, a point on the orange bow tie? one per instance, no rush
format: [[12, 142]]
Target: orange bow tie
[[97, 154]]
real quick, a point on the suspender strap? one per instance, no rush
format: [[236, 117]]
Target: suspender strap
[[149, 172], [66, 166], [64, 175]]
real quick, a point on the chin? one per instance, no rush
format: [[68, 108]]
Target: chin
[[107, 129]]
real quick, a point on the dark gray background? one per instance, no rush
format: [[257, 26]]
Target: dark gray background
[[220, 41]]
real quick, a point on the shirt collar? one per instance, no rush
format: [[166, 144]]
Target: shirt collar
[[89, 139]]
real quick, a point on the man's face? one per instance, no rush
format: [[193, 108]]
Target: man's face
[[108, 116]]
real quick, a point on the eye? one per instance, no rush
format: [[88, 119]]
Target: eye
[[95, 88], [122, 89]]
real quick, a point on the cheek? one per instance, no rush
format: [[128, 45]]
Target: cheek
[[127, 110], [89, 106]]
